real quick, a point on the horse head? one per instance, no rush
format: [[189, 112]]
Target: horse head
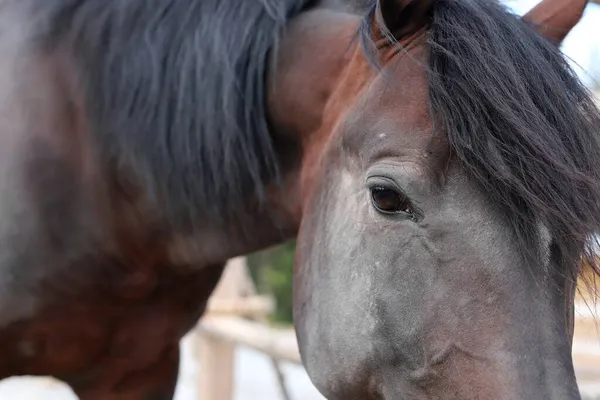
[[450, 185]]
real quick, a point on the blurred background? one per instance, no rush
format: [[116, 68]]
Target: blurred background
[[246, 344], [582, 45]]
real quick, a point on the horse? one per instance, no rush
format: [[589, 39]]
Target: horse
[[451, 193], [136, 158], [436, 161]]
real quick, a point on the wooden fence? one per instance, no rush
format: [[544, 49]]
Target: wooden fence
[[235, 316]]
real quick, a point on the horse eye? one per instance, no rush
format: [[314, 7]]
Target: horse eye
[[389, 201]]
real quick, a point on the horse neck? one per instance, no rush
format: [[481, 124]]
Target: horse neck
[[311, 59], [312, 84], [308, 63]]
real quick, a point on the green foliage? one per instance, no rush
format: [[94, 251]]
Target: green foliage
[[272, 271]]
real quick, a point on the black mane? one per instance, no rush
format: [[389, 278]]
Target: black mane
[[520, 122], [175, 92]]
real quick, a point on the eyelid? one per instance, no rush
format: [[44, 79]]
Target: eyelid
[[377, 180], [389, 183]]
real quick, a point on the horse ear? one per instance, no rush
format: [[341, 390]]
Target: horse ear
[[554, 19], [401, 18]]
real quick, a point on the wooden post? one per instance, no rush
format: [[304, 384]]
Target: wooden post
[[217, 355], [216, 378], [235, 282]]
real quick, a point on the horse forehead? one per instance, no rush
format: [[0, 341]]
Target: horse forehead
[[390, 123], [395, 102], [401, 89]]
